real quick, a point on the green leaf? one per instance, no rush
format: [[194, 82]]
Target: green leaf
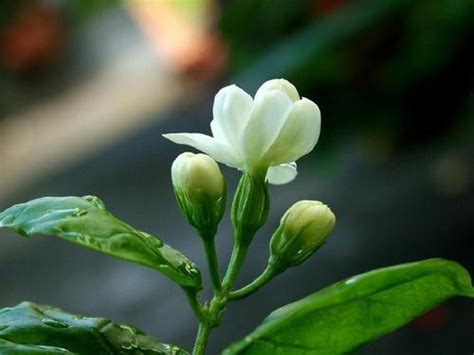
[[33, 329], [355, 311], [85, 221]]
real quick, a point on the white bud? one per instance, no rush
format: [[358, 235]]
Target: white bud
[[200, 190], [198, 172], [303, 229]]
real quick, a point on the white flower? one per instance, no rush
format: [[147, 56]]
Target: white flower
[[266, 134]]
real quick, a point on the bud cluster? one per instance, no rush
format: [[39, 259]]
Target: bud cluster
[[263, 136]]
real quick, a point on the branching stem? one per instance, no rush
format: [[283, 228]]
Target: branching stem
[[191, 295], [254, 286], [250, 193], [210, 316]]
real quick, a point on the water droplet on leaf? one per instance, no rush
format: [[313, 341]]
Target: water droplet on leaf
[[350, 281], [97, 202], [54, 323], [79, 212], [8, 220]]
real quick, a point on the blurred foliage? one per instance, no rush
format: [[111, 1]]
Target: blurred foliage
[[74, 10], [37, 44], [394, 73], [33, 33], [80, 10]]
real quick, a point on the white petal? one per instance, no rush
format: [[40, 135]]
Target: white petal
[[268, 116], [279, 84], [231, 111], [299, 134], [219, 151], [281, 174]]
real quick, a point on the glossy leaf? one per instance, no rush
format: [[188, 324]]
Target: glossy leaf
[[352, 312], [33, 329], [85, 221]]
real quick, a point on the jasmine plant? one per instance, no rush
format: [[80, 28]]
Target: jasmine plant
[[261, 136]]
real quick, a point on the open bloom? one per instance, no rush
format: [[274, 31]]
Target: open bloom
[[267, 133]]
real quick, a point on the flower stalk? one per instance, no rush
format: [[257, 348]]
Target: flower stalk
[[212, 263], [265, 277]]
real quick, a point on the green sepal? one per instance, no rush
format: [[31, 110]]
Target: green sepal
[[34, 329], [250, 207], [85, 221], [200, 210], [355, 311]]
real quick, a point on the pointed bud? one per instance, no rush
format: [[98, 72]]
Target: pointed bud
[[200, 191], [250, 207], [303, 229]]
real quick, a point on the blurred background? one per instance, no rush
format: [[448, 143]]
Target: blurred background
[[88, 87]]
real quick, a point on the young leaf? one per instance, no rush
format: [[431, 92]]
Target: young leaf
[[352, 312], [85, 221], [33, 329]]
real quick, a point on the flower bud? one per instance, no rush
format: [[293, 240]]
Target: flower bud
[[250, 207], [303, 229], [200, 191]]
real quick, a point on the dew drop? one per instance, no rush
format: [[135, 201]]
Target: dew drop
[[23, 232], [350, 281], [79, 212], [54, 323], [129, 346], [94, 200], [8, 220], [51, 348]]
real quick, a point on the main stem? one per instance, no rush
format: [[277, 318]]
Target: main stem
[[211, 314], [201, 339], [249, 212]]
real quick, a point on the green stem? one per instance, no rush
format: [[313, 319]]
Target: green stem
[[268, 274], [235, 263], [201, 339], [191, 295], [213, 264]]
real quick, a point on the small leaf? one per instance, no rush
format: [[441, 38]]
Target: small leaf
[[85, 221], [33, 329], [355, 311]]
